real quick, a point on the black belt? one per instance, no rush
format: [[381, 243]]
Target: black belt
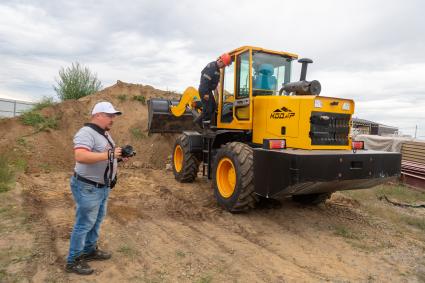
[[82, 179]]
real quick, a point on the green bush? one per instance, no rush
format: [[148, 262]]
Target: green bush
[[38, 121], [6, 174], [45, 102], [140, 98], [75, 82], [122, 97]]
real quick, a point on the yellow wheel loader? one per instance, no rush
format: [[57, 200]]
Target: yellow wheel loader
[[273, 137]]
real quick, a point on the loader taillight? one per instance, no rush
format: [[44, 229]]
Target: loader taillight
[[274, 144], [358, 144]]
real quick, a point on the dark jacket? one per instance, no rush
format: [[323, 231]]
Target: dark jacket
[[210, 76]]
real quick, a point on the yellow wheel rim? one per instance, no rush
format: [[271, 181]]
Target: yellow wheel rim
[[226, 177], [178, 158]]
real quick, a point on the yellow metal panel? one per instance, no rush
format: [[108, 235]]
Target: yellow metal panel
[[271, 113]]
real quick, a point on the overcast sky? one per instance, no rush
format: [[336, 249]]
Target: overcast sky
[[370, 51]]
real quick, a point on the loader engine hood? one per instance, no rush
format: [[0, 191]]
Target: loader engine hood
[[305, 122]]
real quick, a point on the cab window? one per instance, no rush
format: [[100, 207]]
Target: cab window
[[269, 72]]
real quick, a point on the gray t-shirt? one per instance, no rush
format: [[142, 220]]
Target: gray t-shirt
[[87, 138]]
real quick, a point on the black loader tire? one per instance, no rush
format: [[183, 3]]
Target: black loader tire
[[190, 166], [243, 196], [311, 199]]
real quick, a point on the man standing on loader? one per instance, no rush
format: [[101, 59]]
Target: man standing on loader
[[210, 77]]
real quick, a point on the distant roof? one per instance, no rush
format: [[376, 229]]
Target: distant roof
[[370, 123]]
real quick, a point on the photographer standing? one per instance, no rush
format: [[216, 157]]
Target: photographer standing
[[95, 174]]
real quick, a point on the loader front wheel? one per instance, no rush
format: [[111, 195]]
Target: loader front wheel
[[233, 175], [185, 164], [311, 199]]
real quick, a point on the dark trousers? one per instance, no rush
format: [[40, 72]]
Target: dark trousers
[[208, 108]]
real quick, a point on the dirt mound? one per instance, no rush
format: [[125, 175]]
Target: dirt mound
[[52, 150]]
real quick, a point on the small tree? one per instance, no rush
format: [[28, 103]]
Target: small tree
[[75, 82]]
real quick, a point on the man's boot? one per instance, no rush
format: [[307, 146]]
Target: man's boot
[[97, 255], [79, 266]]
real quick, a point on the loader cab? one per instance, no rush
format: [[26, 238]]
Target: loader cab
[[253, 72]]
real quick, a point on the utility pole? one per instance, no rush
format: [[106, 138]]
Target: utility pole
[[416, 130]]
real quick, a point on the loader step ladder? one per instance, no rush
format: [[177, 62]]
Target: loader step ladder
[[206, 156]]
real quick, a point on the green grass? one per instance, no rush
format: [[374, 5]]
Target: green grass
[[122, 97], [7, 176], [140, 98], [345, 232], [205, 279], [416, 222], [128, 251], [401, 193], [39, 122], [45, 102], [22, 142], [20, 165], [137, 134], [401, 218], [180, 253]]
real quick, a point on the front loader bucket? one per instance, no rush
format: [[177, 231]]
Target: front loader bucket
[[162, 120]]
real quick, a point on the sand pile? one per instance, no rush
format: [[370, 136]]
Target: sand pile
[[52, 150]]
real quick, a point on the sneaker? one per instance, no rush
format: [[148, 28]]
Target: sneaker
[[97, 255], [79, 266]]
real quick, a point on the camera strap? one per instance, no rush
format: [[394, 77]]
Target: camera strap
[[111, 154]]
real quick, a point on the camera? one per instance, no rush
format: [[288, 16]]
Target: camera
[[127, 151]]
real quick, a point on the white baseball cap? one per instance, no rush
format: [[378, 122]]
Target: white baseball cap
[[105, 107]]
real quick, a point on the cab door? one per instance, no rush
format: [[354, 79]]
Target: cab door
[[235, 98]]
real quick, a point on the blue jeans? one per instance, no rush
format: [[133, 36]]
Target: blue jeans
[[91, 209]]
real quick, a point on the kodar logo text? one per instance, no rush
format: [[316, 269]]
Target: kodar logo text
[[282, 113]]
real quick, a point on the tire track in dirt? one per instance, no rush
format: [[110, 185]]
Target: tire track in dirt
[[48, 256]]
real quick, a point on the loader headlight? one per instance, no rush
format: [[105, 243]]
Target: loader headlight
[[346, 106], [317, 103]]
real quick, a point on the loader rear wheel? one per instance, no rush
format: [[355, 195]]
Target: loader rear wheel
[[233, 175], [311, 199], [185, 164]]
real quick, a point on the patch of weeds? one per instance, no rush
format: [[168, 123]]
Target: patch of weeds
[[45, 102], [128, 251], [7, 176], [180, 253], [122, 97], [46, 167], [345, 232], [3, 275], [371, 247], [204, 279], [140, 98], [20, 165], [415, 222], [31, 118], [401, 193], [22, 142], [137, 133], [39, 122]]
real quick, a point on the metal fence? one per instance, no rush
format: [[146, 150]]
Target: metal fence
[[12, 108]]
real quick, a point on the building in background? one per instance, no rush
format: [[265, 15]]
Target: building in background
[[366, 127]]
